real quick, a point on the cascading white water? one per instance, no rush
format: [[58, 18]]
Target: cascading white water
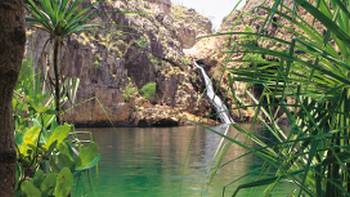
[[220, 107], [215, 100]]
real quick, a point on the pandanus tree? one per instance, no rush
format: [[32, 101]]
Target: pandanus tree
[[309, 79], [61, 19]]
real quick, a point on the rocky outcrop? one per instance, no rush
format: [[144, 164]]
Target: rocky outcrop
[[151, 41], [213, 50], [160, 5], [189, 25], [137, 43]]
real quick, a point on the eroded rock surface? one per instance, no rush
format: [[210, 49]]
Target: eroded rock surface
[[138, 42], [189, 25], [213, 50]]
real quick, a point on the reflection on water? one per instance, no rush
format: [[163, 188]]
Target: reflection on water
[[165, 162]]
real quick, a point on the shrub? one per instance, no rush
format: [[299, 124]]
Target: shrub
[[48, 153], [149, 90], [129, 91], [312, 71]]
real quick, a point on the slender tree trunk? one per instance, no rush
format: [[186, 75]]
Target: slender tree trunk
[[12, 41], [57, 80]]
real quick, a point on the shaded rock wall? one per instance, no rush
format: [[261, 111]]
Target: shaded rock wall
[[134, 47]]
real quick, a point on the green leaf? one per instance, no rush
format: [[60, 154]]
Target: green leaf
[[64, 183], [29, 189], [59, 134], [59, 18], [19, 138], [326, 21], [30, 137], [88, 157], [65, 159], [48, 118], [38, 177], [49, 183]]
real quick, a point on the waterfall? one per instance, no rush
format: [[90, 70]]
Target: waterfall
[[215, 100], [220, 107]]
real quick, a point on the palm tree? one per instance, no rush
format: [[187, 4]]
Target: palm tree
[[61, 19], [12, 42]]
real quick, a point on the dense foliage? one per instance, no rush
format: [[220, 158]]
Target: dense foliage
[[305, 80], [61, 19], [149, 90], [50, 155]]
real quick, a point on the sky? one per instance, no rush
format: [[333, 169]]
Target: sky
[[215, 10]]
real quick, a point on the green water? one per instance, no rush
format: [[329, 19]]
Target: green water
[[166, 162]]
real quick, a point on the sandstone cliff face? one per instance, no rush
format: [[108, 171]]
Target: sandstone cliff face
[[160, 5], [137, 43], [212, 50], [189, 25]]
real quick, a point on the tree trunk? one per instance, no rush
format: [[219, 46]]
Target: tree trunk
[[57, 80], [12, 42]]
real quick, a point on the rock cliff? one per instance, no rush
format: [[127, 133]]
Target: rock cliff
[[142, 42], [137, 43], [213, 50], [189, 25]]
